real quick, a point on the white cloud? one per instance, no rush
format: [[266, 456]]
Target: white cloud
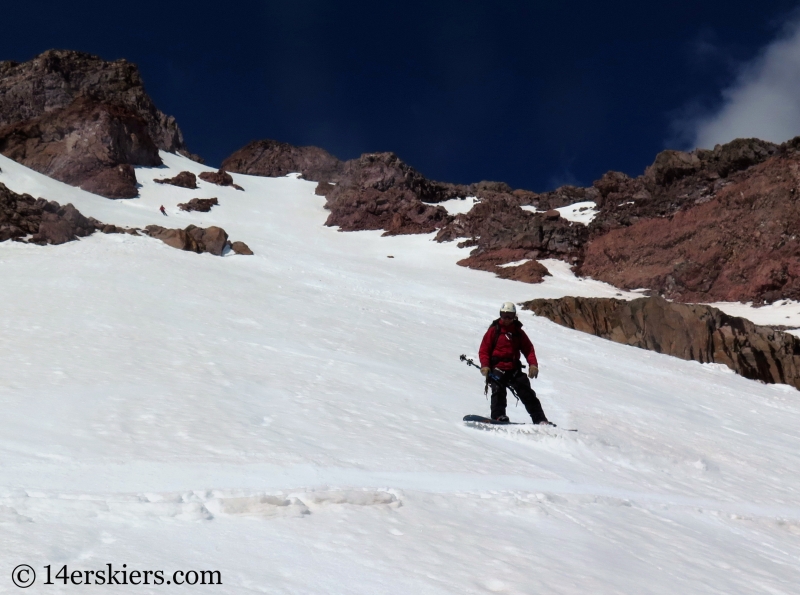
[[763, 102]]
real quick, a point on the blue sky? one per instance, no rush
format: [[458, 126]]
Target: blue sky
[[531, 93]]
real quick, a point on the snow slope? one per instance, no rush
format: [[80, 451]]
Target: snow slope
[[292, 419]]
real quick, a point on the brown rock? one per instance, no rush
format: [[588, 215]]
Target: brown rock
[[504, 233], [552, 215], [271, 158], [529, 272], [220, 178], [688, 331], [741, 245], [44, 222], [87, 144], [185, 179], [53, 80], [241, 248], [210, 239], [177, 238], [202, 205]]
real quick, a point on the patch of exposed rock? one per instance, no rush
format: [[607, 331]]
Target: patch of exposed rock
[[740, 243], [203, 205], [184, 179], [193, 239], [687, 331], [241, 248], [55, 79], [503, 232], [37, 221], [274, 159], [220, 178], [675, 181], [88, 144], [83, 121], [379, 191]]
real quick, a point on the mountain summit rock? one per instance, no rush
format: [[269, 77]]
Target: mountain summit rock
[[83, 121]]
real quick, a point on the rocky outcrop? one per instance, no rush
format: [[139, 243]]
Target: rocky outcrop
[[87, 144], [37, 221], [675, 181], [55, 79], [193, 239], [220, 178], [202, 205], [83, 121], [504, 233], [739, 241], [688, 331], [274, 159], [379, 191], [185, 179]]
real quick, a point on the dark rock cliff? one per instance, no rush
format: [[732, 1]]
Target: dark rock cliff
[[688, 331]]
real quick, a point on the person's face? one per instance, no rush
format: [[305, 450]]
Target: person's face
[[507, 318]]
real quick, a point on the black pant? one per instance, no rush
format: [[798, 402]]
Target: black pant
[[519, 383]]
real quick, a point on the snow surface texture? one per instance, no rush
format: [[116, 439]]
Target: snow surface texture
[[293, 420]]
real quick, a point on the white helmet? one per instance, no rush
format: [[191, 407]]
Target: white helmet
[[508, 307]]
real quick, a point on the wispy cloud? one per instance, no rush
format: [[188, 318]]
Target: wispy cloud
[[763, 101]]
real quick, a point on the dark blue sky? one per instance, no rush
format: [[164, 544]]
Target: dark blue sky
[[530, 93]]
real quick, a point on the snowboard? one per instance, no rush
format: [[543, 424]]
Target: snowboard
[[479, 419], [486, 420]]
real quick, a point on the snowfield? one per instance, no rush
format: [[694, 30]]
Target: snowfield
[[293, 420]]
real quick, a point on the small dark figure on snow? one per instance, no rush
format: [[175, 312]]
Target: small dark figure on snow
[[163, 211], [499, 354]]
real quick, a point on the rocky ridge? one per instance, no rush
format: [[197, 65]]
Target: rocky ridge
[[688, 331], [694, 226], [83, 121], [38, 221]]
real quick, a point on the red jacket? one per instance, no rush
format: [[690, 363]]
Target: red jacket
[[510, 343]]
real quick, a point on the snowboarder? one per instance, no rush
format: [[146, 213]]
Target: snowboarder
[[499, 354], [163, 211]]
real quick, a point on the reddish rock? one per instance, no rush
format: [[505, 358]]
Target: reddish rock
[[379, 191], [743, 244], [688, 331], [220, 178], [271, 158], [552, 215], [529, 272], [503, 232], [185, 179], [43, 222], [87, 144], [202, 205], [241, 248], [53, 80]]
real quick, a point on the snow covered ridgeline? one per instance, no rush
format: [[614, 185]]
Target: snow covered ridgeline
[[141, 385]]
